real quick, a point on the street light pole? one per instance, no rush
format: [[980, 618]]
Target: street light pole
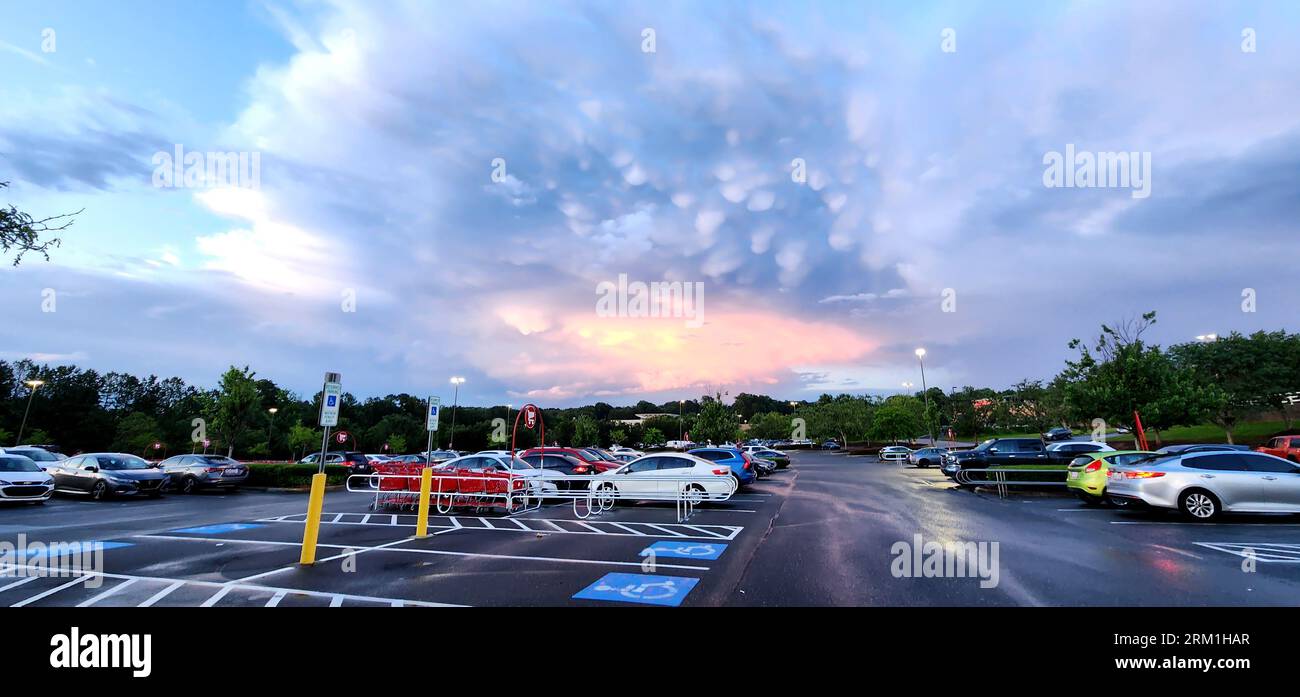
[[680, 402], [270, 426], [32, 384], [455, 401], [929, 426]]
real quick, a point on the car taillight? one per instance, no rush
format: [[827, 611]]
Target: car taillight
[[746, 464], [1093, 466], [1143, 475], [216, 469], [724, 470], [579, 470]]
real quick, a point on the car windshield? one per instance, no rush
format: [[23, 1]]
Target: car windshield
[[121, 462], [216, 460], [18, 463], [519, 463], [985, 445], [38, 455]]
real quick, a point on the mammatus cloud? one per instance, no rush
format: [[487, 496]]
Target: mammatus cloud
[[468, 183]]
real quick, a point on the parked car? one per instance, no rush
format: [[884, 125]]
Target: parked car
[[23, 480], [1198, 448], [541, 483], [1204, 483], [376, 458], [925, 457], [1086, 475], [564, 464], [996, 452], [107, 474], [627, 457], [355, 461], [763, 467], [1058, 433], [830, 445], [190, 473], [1065, 451], [601, 464], [679, 444], [781, 459], [742, 468], [40, 456], [644, 476], [1285, 447], [895, 453]]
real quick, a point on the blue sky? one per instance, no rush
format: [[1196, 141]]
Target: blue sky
[[378, 244]]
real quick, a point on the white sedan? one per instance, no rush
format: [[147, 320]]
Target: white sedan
[[895, 453], [21, 479], [541, 482], [662, 475]]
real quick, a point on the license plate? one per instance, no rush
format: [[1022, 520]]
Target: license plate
[[1074, 475], [233, 472]]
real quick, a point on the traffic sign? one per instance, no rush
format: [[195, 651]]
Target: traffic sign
[[341, 437], [330, 398], [431, 419], [530, 416]]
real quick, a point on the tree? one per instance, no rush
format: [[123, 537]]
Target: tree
[[1235, 375], [300, 439], [894, 422], [238, 407], [653, 436], [770, 425], [586, 431], [397, 443], [716, 423], [1122, 375], [844, 417], [20, 231], [617, 436], [135, 433]]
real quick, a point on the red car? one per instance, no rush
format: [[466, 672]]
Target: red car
[[578, 454], [1286, 447]]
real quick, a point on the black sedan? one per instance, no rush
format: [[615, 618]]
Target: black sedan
[[564, 464], [101, 475]]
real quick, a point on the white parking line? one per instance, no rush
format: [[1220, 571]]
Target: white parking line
[[412, 550], [231, 585], [663, 529], [593, 527], [216, 597], [1270, 552], [161, 594], [336, 601], [634, 532], [275, 600], [105, 594], [15, 584], [49, 592]]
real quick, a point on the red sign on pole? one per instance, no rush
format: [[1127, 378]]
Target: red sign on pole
[[530, 416], [341, 437]]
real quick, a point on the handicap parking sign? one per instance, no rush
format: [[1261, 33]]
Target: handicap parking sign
[[640, 588], [331, 401], [685, 550]]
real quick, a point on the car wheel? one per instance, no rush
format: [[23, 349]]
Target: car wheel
[[99, 491], [188, 485], [695, 494], [1199, 504], [923, 464]]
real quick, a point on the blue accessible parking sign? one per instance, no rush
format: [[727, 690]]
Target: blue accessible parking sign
[[685, 550], [640, 588]]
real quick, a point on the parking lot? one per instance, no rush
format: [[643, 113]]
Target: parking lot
[[824, 532]]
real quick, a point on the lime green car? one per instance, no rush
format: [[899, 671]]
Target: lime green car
[[1086, 475]]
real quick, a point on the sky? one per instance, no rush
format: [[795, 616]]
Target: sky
[[461, 189]]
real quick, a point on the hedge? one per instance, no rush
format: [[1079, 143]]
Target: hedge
[[289, 475]]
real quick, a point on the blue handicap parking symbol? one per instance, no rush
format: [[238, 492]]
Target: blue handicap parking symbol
[[219, 529], [640, 588], [331, 400], [685, 550]]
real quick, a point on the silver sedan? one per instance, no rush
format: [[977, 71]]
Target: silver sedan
[[1204, 484]]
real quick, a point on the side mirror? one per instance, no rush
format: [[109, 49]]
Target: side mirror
[[91, 468], [993, 449]]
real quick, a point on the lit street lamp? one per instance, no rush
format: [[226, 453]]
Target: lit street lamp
[[32, 384], [680, 403], [270, 424], [457, 381], [920, 356]]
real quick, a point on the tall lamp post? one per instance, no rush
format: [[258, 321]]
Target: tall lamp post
[[270, 426], [929, 425], [32, 384], [455, 400], [680, 403]]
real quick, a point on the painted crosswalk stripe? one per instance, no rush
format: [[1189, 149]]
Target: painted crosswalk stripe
[[161, 594], [216, 597], [336, 601], [49, 592], [275, 600], [634, 532], [661, 528], [105, 594]]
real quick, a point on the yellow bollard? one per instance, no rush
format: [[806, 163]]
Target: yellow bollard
[[315, 503], [422, 520]]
